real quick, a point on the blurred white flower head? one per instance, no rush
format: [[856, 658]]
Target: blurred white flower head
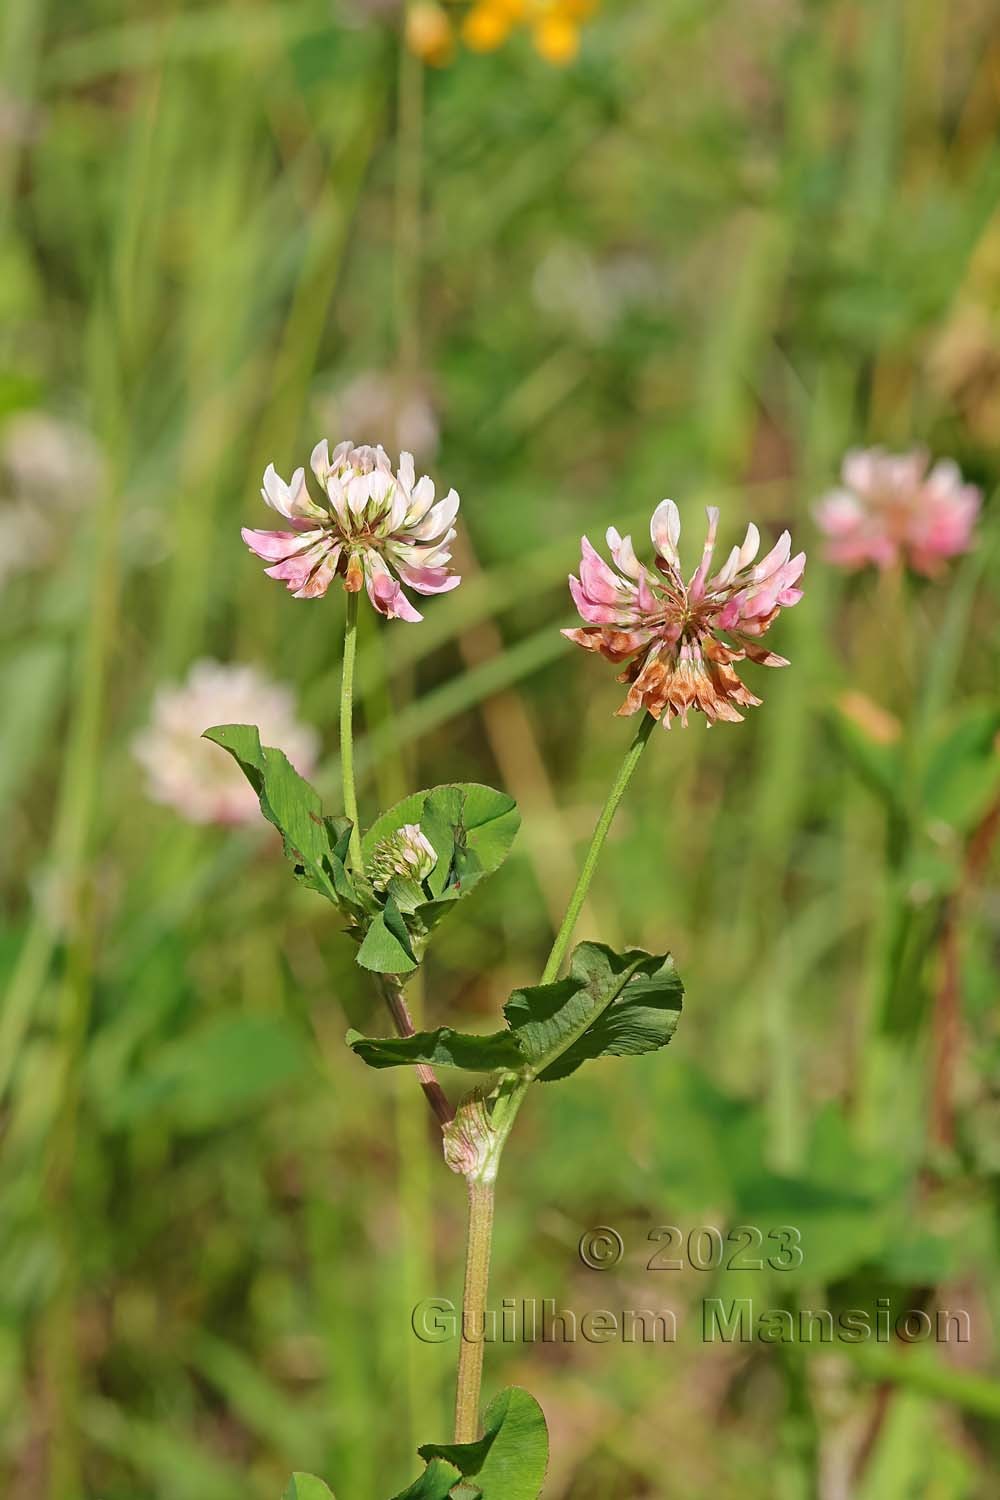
[[198, 779], [593, 296], [47, 459], [49, 468], [400, 410]]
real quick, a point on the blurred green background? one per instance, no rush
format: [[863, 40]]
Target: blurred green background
[[721, 246]]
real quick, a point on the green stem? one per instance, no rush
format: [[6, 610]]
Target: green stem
[[604, 822], [409, 186], [473, 1330], [347, 732], [505, 1108]]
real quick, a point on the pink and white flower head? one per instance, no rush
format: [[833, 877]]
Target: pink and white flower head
[[670, 632], [372, 528], [198, 779], [892, 508]]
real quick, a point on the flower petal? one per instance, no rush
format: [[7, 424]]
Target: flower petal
[[428, 580], [273, 546], [438, 519], [665, 531], [385, 593]]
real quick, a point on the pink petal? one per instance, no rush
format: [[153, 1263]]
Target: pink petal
[[386, 594], [598, 614], [316, 586], [696, 588], [603, 586], [624, 554], [274, 546], [777, 556], [428, 580]]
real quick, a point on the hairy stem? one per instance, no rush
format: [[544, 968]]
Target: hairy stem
[[471, 1345], [604, 822], [347, 732]]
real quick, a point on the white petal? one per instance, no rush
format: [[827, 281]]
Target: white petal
[[778, 554], [319, 460], [280, 496], [727, 572], [665, 531], [422, 499], [437, 519], [406, 473], [750, 548]]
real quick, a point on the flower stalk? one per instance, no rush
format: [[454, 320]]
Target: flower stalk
[[347, 732], [479, 1241], [601, 830], [481, 1178]]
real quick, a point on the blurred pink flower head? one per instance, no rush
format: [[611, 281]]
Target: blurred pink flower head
[[670, 633], [891, 508], [193, 776], [372, 528]]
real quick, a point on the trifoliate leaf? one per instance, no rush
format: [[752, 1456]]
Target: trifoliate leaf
[[443, 1048], [317, 846], [509, 1461], [610, 1004], [387, 948]]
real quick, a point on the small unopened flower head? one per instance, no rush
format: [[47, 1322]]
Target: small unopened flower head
[[372, 528], [895, 508], [198, 779], [679, 640], [470, 1140], [407, 853]]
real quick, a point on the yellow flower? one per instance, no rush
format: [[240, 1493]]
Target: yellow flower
[[487, 26], [557, 38], [429, 34]]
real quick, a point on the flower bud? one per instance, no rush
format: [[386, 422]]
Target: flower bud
[[470, 1139], [406, 853]]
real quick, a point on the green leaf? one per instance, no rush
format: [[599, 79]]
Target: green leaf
[[442, 1048], [307, 1487], [435, 1483], [471, 828], [509, 1461], [316, 845], [610, 1004], [877, 764], [962, 771], [387, 948]]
